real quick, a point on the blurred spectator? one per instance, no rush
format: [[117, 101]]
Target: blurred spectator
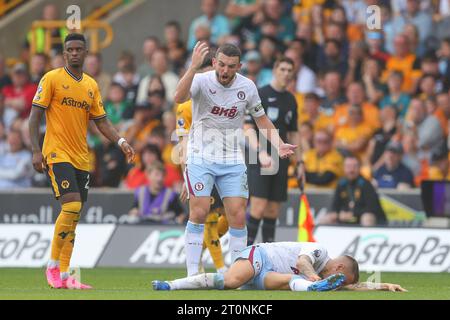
[[396, 98], [252, 69], [405, 62], [375, 46], [93, 67], [432, 109], [323, 163], [38, 67], [371, 79], [381, 138], [429, 65], [111, 164], [15, 164], [357, 55], [150, 154], [353, 137], [443, 108], [241, 11], [49, 13], [160, 65], [313, 113], [304, 34], [217, 23], [155, 203], [306, 131], [129, 80], [150, 45], [145, 119], [176, 49], [332, 86], [156, 95], [273, 10], [269, 51], [4, 77], [420, 19], [306, 79], [333, 58], [355, 200], [427, 87], [57, 61], [439, 169], [356, 96], [444, 61], [410, 154], [3, 141], [18, 96], [393, 173], [116, 107], [429, 131]]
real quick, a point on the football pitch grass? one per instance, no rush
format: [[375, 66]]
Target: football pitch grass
[[135, 284]]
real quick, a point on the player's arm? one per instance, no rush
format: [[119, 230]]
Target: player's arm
[[183, 90], [108, 130], [269, 131], [305, 267], [34, 123], [370, 286]]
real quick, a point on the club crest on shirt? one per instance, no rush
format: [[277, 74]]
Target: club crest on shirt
[[181, 122], [316, 253], [199, 186], [65, 184], [241, 95], [66, 87]]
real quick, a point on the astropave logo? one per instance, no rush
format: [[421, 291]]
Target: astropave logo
[[390, 249], [167, 248], [68, 101], [30, 248]]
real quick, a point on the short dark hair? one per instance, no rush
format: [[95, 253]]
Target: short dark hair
[[354, 268], [173, 23], [75, 36], [312, 96], [151, 148], [283, 59], [207, 62], [230, 50]]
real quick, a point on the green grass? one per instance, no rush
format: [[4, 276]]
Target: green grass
[[134, 284]]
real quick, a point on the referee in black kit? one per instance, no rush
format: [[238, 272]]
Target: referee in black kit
[[268, 191]]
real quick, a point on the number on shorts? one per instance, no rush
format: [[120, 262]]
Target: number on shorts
[[87, 183]]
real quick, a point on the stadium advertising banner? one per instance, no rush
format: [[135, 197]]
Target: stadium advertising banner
[[161, 246], [390, 249], [29, 245], [40, 207]]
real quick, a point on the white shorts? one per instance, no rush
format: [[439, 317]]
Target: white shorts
[[230, 179]]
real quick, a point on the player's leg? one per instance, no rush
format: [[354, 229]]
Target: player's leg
[[222, 224], [259, 187], [277, 195], [270, 220], [199, 181], [64, 184], [231, 182], [212, 241], [277, 281]]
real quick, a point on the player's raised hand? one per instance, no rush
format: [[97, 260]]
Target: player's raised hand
[[128, 151], [199, 53], [286, 150], [38, 162]]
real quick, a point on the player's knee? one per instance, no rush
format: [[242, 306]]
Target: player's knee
[[72, 207], [232, 282], [198, 214]]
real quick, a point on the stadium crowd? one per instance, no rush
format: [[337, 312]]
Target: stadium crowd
[[381, 94]]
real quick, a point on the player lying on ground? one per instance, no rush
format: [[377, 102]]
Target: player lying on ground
[[296, 266]]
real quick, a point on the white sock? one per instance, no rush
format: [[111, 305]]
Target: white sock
[[222, 270], [52, 263], [64, 275], [297, 283], [193, 244], [200, 281], [238, 241]]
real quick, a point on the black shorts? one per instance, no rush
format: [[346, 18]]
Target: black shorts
[[270, 187], [216, 202], [65, 178]]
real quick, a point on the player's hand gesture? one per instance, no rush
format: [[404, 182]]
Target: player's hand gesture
[[128, 151], [199, 53], [38, 162], [286, 150]]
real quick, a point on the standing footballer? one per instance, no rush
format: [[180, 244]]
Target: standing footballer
[[220, 99], [69, 99]]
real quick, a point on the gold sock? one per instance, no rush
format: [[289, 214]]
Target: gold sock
[[222, 225], [64, 227], [212, 241], [66, 252]]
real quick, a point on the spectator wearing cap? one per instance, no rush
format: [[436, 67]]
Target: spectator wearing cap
[[252, 69], [218, 23], [393, 173], [18, 96], [439, 169], [374, 41], [155, 203]]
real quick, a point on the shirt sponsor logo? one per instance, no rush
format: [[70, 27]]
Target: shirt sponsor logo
[[222, 111], [68, 101]]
